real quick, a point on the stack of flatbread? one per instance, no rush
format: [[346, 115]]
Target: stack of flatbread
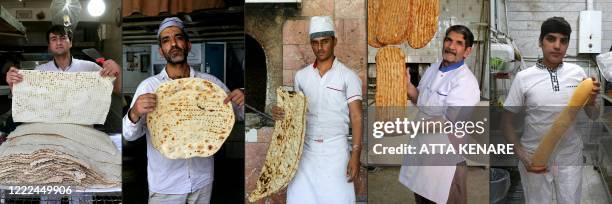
[[285, 146], [62, 97], [190, 118], [59, 154], [56, 150]]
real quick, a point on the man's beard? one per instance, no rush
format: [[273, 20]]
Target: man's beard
[[169, 57]]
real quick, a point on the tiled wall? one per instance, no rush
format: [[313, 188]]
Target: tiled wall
[[526, 17], [282, 31]]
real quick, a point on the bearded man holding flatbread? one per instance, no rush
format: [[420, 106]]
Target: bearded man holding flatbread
[[326, 170], [174, 180]]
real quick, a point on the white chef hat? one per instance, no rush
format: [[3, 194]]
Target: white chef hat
[[321, 26], [171, 21]]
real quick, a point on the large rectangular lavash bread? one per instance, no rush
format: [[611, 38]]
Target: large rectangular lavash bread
[[190, 118], [62, 97], [392, 21], [563, 121], [59, 154], [424, 22], [285, 147]]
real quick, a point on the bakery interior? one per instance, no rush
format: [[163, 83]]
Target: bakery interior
[[216, 31], [23, 44], [515, 27], [278, 46], [383, 170]]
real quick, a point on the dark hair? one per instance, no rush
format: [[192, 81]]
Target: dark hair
[[461, 29], [555, 25], [185, 35], [59, 30]]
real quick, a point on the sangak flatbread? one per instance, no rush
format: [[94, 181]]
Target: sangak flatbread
[[59, 154], [424, 22], [190, 118], [372, 23], [62, 97], [285, 147], [393, 21]]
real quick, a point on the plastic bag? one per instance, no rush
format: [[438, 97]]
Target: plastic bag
[[604, 62]]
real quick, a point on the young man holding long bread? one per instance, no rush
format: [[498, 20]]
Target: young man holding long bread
[[542, 91], [333, 92], [173, 180]]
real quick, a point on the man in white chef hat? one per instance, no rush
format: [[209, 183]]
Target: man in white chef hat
[[333, 92]]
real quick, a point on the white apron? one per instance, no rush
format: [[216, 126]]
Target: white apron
[[321, 175]]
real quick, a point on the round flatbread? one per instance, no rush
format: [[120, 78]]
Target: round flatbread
[[190, 118]]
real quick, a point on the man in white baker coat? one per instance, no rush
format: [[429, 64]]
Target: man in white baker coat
[[333, 92], [542, 91], [445, 85]]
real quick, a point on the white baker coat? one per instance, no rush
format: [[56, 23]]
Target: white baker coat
[[455, 86], [328, 98], [321, 175]]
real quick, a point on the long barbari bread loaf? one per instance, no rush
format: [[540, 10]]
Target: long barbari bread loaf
[[424, 22], [549, 141], [190, 118], [285, 147], [373, 7], [391, 89], [393, 21], [62, 97]]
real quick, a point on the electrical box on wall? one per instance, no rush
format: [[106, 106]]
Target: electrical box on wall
[[589, 36]]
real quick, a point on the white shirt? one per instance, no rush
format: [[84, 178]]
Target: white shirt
[[328, 97], [171, 176], [535, 91], [76, 65]]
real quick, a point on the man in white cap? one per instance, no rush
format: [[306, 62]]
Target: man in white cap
[[333, 91], [173, 180]]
